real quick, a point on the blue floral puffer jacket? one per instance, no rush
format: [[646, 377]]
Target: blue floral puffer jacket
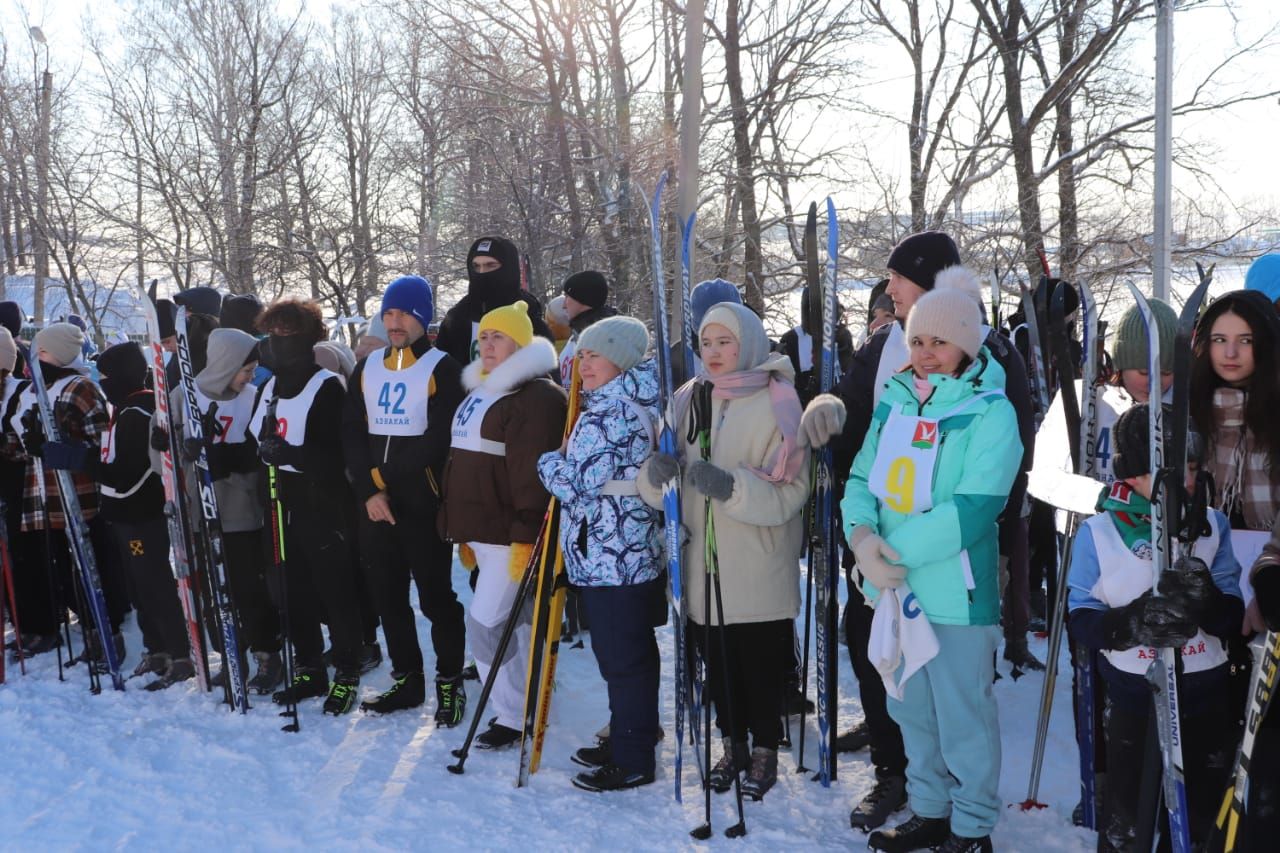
[[608, 539]]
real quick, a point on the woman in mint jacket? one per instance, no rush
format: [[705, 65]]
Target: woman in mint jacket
[[920, 511]]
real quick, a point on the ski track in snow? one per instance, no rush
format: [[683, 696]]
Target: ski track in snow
[[176, 770]]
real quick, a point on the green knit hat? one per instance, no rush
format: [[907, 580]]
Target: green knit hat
[[1130, 349]]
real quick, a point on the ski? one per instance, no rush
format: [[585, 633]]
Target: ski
[[175, 505], [6, 587], [1262, 681], [548, 609], [813, 310], [219, 581], [1035, 361], [77, 532]]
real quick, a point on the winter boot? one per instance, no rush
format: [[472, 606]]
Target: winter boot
[[307, 684], [735, 759], [151, 663], [35, 644], [342, 695], [796, 702], [856, 739], [498, 736], [370, 657], [593, 756], [270, 673], [451, 701], [611, 777], [218, 680], [407, 691], [960, 844], [918, 833], [888, 795], [763, 773], [179, 669], [1017, 653], [100, 660]]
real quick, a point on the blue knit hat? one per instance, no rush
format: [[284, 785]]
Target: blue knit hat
[[1264, 276], [412, 295], [711, 292]]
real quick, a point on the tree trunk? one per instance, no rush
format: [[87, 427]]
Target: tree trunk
[[745, 190]]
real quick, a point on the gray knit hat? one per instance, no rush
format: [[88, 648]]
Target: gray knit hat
[[948, 314], [622, 340], [62, 341], [1130, 349]]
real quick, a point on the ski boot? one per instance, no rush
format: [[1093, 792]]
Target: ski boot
[[307, 684], [342, 695], [498, 736], [611, 777], [918, 833], [406, 691], [451, 701], [888, 796], [763, 773]]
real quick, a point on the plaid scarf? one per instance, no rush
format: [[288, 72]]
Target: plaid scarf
[[1241, 472]]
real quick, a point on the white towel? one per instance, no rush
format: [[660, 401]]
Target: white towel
[[900, 632]]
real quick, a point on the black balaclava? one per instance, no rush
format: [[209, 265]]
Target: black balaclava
[[292, 358], [124, 372], [500, 287]]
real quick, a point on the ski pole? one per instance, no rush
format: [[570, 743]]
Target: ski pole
[[508, 631], [808, 624], [282, 575]]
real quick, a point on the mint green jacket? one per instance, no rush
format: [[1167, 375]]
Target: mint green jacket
[[977, 462]]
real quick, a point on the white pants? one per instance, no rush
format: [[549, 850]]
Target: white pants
[[490, 606]]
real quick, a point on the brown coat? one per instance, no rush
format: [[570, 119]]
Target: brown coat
[[499, 500]]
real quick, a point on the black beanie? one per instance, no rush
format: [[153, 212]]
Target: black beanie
[[11, 318], [920, 257], [200, 300], [1131, 441], [240, 312], [124, 370], [589, 287]]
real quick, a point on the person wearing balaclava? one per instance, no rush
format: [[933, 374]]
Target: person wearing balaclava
[[132, 498], [80, 411], [399, 407], [493, 280], [227, 396], [297, 423]]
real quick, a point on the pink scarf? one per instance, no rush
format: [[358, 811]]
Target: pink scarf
[[786, 412]]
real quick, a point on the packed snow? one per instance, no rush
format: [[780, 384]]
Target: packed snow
[[177, 770]]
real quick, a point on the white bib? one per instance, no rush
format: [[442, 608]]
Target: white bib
[[108, 455], [1123, 576], [902, 473], [232, 415], [395, 401], [291, 412], [468, 419], [566, 362], [27, 402], [804, 349]]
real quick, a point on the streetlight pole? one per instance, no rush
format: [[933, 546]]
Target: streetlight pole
[[41, 242], [1162, 234]]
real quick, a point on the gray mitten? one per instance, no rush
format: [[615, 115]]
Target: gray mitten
[[823, 419], [663, 467], [710, 480]]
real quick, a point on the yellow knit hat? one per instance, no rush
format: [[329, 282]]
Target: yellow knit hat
[[512, 320]]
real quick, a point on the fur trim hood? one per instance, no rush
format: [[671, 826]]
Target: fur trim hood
[[536, 359]]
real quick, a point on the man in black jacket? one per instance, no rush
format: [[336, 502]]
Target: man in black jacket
[[493, 280]]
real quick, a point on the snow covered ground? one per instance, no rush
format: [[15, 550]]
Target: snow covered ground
[[175, 770]]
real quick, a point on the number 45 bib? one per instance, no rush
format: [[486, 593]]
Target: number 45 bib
[[902, 473]]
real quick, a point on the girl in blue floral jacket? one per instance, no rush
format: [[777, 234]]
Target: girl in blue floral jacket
[[611, 541]]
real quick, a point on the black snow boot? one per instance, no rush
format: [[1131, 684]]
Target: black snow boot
[[342, 695], [407, 691], [593, 756], [918, 833], [1017, 653], [888, 796], [451, 701], [270, 673], [611, 777], [151, 663], [498, 736], [735, 759], [960, 844], [307, 684], [763, 773], [856, 739]]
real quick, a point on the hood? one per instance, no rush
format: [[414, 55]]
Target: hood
[[586, 318], [536, 359], [640, 383], [226, 354], [500, 287]]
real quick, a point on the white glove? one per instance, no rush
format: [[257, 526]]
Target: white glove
[[823, 418], [873, 555]]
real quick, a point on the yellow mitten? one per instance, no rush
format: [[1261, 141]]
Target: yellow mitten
[[520, 554], [467, 557]]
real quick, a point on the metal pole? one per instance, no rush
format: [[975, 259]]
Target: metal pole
[[1162, 236], [690, 123], [42, 197]]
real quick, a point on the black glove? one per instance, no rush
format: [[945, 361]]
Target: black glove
[[276, 451], [33, 437], [159, 439], [1266, 589], [1161, 623], [1190, 583], [191, 448], [68, 456]]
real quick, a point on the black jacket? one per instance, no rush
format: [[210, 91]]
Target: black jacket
[[454, 336]]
